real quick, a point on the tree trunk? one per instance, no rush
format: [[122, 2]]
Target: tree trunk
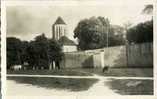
[[54, 65], [33, 68], [50, 66]]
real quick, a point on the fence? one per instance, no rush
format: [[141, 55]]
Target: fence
[[140, 55]]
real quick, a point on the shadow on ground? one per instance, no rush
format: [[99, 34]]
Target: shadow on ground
[[131, 87], [70, 84]]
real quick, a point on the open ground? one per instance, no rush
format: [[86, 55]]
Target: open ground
[[117, 81]]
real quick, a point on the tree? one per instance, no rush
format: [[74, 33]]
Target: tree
[[38, 52], [54, 51], [13, 52], [148, 9], [32, 54], [43, 51], [97, 32], [24, 56], [143, 32], [91, 32], [116, 35]]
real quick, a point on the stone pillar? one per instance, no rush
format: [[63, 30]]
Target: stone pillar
[[55, 32], [62, 31], [65, 30], [52, 31], [58, 33], [102, 58]]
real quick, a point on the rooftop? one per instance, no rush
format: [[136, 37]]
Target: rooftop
[[59, 21], [66, 41]]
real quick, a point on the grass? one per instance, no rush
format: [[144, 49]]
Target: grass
[[69, 84], [127, 72], [131, 87], [67, 72]]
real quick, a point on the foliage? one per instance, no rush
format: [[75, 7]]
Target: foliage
[[116, 35], [148, 9], [37, 53], [54, 50], [13, 51], [89, 33], [140, 33], [23, 55], [92, 33]]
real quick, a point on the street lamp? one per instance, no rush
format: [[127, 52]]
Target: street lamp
[[107, 38], [105, 68], [126, 45], [107, 34]]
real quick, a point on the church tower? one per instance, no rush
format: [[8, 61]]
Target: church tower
[[59, 29]]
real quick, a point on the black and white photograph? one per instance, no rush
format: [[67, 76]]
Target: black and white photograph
[[0, 53], [80, 48]]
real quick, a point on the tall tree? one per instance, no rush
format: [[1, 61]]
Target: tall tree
[[148, 9], [54, 51], [43, 51], [32, 54], [97, 32], [13, 51], [143, 32], [90, 32], [24, 56], [37, 51]]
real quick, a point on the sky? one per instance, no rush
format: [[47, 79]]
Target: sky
[[26, 22]]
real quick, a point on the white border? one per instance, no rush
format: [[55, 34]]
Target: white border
[[68, 3], [3, 50], [73, 2], [155, 47]]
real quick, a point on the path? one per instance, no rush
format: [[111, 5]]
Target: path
[[97, 89], [100, 88], [95, 76]]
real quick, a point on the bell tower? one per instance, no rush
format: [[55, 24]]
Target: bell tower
[[59, 29]]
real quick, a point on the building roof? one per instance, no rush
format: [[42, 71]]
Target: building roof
[[59, 21], [66, 41]]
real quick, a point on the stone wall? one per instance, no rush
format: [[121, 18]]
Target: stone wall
[[112, 56], [120, 56], [69, 48], [77, 60], [140, 55], [115, 56]]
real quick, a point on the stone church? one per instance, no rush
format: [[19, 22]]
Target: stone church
[[59, 33]]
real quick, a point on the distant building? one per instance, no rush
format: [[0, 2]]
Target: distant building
[[67, 44], [59, 32], [59, 29]]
